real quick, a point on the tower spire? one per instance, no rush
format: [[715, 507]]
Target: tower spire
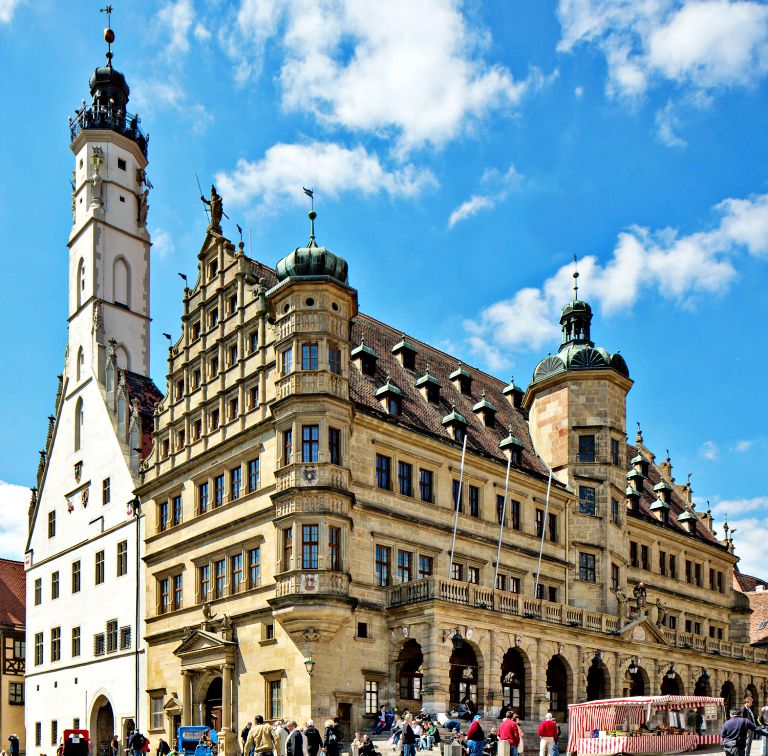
[[109, 35], [575, 278]]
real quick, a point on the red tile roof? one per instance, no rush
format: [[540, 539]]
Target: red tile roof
[[746, 583], [143, 389], [12, 593]]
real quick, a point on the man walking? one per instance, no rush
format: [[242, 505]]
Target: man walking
[[13, 745], [294, 745], [261, 738], [763, 721], [509, 731], [408, 738], [749, 715], [314, 739], [734, 734], [548, 735]]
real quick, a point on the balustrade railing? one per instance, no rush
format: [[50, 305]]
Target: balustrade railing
[[111, 119]]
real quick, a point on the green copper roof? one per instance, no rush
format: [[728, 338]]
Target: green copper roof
[[640, 458], [510, 441], [484, 404], [427, 378], [511, 387], [632, 491], [363, 348], [404, 344], [663, 486], [388, 388], [460, 372], [635, 475], [659, 504], [454, 417], [687, 514]]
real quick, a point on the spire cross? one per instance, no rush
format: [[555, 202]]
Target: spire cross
[[575, 279]]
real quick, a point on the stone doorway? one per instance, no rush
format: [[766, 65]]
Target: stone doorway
[[597, 682], [557, 687], [212, 705], [102, 725], [463, 674], [513, 682]]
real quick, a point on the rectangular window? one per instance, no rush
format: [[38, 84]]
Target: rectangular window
[[615, 577], [122, 558], [720, 586], [334, 548], [254, 474], [473, 575], [426, 482], [253, 341], [232, 354], [672, 566], [615, 452], [404, 566], [236, 571], [213, 317], [38, 733], [688, 571], [121, 164], [645, 561], [156, 713], [697, 574], [195, 331], [164, 596], [615, 512], [634, 560], [499, 508], [552, 527], [383, 472], [125, 638], [55, 585], [38, 591], [405, 478], [287, 446], [310, 443], [457, 496], [539, 523], [457, 571], [162, 516], [711, 579], [111, 636], [275, 699], [552, 593], [218, 490], [501, 582], [254, 567], [309, 356], [288, 548], [334, 360], [202, 498], [672, 622], [235, 482], [16, 694], [253, 397], [204, 581], [334, 446], [55, 644], [587, 500], [51, 524], [371, 697], [220, 578], [587, 567], [178, 592], [426, 566], [286, 361], [38, 649], [176, 509], [662, 563], [197, 429], [234, 408], [54, 732], [19, 649], [99, 568], [514, 584], [587, 448], [383, 566], [213, 372], [309, 547], [514, 514], [474, 501], [105, 491]]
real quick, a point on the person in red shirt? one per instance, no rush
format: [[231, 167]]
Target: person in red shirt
[[548, 735], [509, 731], [475, 737]]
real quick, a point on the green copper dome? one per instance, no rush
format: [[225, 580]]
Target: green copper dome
[[312, 262]]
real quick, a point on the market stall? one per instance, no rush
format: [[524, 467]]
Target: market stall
[[644, 725]]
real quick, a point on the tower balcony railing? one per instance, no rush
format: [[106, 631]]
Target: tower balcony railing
[[468, 594], [311, 382], [111, 119], [312, 474]]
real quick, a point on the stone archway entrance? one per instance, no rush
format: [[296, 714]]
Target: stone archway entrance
[[598, 685], [102, 725], [513, 681], [211, 705], [752, 691], [703, 687], [671, 685], [557, 687], [409, 674], [728, 694], [638, 683], [463, 675]]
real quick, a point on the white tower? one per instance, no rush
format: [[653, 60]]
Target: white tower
[[85, 661]]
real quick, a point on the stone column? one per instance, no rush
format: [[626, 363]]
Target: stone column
[[226, 699], [539, 700], [186, 697], [435, 692], [617, 676], [494, 695]]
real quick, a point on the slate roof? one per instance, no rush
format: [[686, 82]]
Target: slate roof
[[677, 503], [143, 389], [12, 593]]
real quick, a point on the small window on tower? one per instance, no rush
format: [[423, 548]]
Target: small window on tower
[[121, 164], [122, 199]]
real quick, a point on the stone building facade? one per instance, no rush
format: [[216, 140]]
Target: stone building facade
[[12, 647], [301, 503]]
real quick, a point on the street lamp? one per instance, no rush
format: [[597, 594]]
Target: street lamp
[[134, 509], [671, 674], [633, 669], [310, 665]]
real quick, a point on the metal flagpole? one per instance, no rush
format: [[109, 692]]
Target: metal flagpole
[[543, 528], [503, 515], [458, 499]]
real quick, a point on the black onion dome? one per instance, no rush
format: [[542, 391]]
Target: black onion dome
[[109, 87]]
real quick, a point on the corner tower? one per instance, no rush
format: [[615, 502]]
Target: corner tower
[[577, 415], [109, 243]]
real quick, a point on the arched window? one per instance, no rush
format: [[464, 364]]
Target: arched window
[[80, 283], [121, 282], [79, 420], [80, 364], [122, 358]]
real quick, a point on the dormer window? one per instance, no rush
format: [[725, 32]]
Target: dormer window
[[486, 410], [663, 491], [633, 498], [640, 463], [391, 397], [462, 379], [405, 351], [366, 356], [513, 446], [457, 424], [514, 394], [660, 510], [635, 479], [429, 387]]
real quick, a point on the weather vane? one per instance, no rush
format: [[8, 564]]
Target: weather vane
[[109, 35], [312, 214], [575, 279]]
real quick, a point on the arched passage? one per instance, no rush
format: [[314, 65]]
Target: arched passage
[[102, 725], [409, 674], [212, 705], [637, 682], [672, 684], [728, 694], [557, 687], [703, 686], [752, 691], [598, 681], [464, 673], [513, 681]]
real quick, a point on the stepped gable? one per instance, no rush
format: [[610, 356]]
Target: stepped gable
[[418, 413], [143, 389], [13, 593], [677, 504]]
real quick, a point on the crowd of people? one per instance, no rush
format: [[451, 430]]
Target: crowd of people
[[261, 738]]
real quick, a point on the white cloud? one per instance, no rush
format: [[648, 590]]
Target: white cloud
[[331, 168], [152, 96], [666, 123], [162, 243], [410, 70], [578, 92], [678, 267], [501, 184], [709, 450], [177, 19], [703, 44], [7, 7], [742, 446], [737, 507], [14, 501]]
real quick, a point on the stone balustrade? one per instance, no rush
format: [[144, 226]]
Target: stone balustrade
[[311, 382], [301, 475], [309, 582]]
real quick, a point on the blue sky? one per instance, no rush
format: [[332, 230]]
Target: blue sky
[[461, 154]]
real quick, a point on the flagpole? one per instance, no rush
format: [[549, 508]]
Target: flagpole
[[543, 528], [503, 515], [458, 499]]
